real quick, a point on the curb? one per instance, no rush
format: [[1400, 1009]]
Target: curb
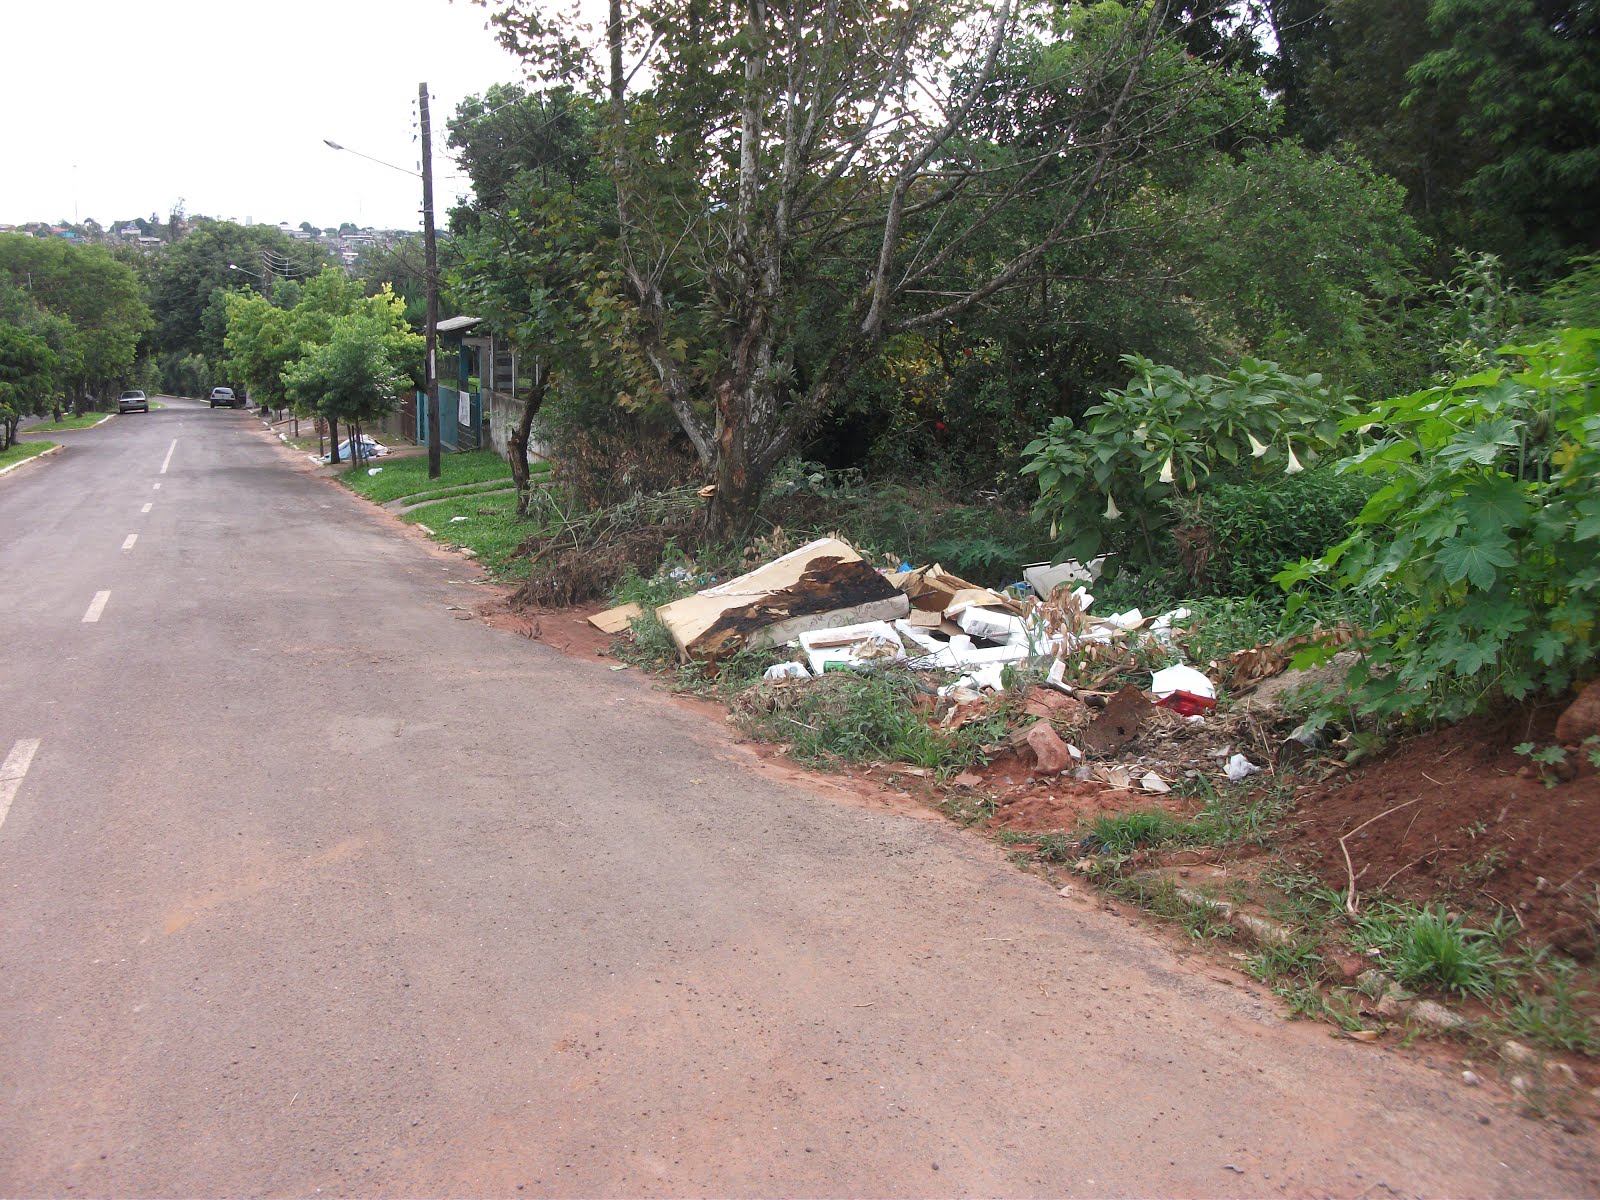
[[34, 458]]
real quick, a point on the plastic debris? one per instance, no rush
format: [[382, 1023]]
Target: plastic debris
[[1181, 678], [1239, 767], [1151, 782], [786, 670]]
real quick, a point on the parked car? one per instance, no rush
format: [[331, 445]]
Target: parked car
[[131, 400], [222, 396]]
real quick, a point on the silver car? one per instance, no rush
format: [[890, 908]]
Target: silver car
[[129, 401], [222, 396]]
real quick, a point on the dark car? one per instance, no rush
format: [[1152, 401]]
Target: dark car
[[131, 400], [222, 396]]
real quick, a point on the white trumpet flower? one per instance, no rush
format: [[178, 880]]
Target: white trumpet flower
[[1112, 511], [1053, 530], [1294, 467], [1166, 470], [1256, 448]]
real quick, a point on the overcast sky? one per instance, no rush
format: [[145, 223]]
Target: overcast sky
[[116, 110]]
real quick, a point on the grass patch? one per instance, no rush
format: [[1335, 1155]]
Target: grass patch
[[402, 477], [1554, 1018], [1428, 948], [472, 489], [849, 717], [489, 526], [1162, 900], [83, 422], [1120, 834], [21, 451]]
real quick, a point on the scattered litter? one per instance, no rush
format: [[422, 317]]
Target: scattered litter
[[1045, 578], [1151, 782], [1181, 678], [620, 667], [615, 620], [849, 646], [1184, 690], [786, 670], [1239, 767], [453, 520], [374, 470]]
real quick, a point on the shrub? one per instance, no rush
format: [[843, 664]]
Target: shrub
[[1490, 523], [1165, 434], [1235, 537]]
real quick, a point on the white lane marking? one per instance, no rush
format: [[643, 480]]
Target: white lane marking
[[96, 607], [127, 542], [12, 770], [167, 461], [147, 508], [155, 487]]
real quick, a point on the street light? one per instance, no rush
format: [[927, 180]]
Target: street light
[[237, 267], [431, 267]]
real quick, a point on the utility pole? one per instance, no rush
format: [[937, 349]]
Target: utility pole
[[432, 269]]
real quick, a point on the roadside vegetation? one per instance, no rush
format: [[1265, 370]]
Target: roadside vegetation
[[86, 421], [1292, 323], [19, 451]]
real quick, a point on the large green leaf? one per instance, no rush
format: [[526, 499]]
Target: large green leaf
[[1477, 562]]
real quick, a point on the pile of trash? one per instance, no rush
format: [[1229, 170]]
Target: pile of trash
[[835, 612]]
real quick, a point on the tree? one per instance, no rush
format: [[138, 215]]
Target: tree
[[268, 345], [219, 257], [785, 184], [27, 377], [353, 376], [99, 299], [1526, 75]]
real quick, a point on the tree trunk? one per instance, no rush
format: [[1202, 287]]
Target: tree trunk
[[518, 449], [333, 440]]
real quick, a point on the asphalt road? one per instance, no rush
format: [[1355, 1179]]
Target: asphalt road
[[308, 885]]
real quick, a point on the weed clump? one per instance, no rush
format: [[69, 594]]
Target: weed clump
[[849, 717]]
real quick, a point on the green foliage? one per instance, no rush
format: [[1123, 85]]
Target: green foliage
[[488, 526], [1428, 948], [196, 271], [1556, 1018], [18, 451], [1120, 834], [407, 478], [1336, 228], [865, 718], [1166, 432], [1236, 536], [87, 306], [1490, 520], [27, 377], [1525, 77], [987, 543], [358, 373]]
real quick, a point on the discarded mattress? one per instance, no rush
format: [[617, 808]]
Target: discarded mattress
[[820, 585]]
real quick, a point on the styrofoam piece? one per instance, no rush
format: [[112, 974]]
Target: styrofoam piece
[[1044, 578], [1084, 599], [1131, 619], [992, 624], [988, 676], [880, 632], [786, 670], [961, 654], [1181, 678]]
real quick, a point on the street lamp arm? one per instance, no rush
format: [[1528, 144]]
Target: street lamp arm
[[333, 145]]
